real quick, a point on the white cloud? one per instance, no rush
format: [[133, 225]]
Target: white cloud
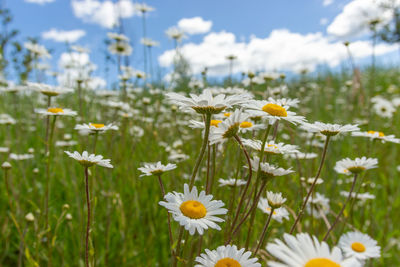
[[195, 25], [282, 50], [103, 13], [354, 19], [63, 36], [40, 2], [327, 2]]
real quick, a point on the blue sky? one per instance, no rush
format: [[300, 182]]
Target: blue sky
[[241, 18]]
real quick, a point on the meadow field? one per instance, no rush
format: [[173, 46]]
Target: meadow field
[[252, 169]]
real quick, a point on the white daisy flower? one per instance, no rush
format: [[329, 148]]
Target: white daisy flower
[[271, 147], [225, 256], [49, 90], [120, 48], [206, 103], [175, 33], [306, 251], [374, 135], [383, 108], [143, 7], [55, 112], [155, 168], [279, 213], [267, 170], [275, 199], [360, 246], [21, 156], [227, 128], [194, 211], [301, 155], [349, 166], [360, 196], [273, 110], [117, 36], [66, 143], [7, 119], [329, 129], [231, 182], [320, 203], [95, 127], [87, 160], [201, 125]]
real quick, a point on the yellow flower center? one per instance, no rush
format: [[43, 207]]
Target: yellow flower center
[[227, 262], [215, 122], [246, 124], [55, 110], [321, 262], [358, 247], [97, 125], [275, 110], [227, 114], [193, 209], [269, 210], [379, 133]]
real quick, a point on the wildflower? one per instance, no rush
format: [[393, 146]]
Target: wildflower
[[304, 250], [348, 166], [226, 256], [155, 168], [56, 112], [87, 160], [196, 212], [267, 170], [374, 135], [360, 246], [329, 129], [95, 127], [231, 182]]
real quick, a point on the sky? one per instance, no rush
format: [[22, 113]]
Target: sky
[[265, 35]]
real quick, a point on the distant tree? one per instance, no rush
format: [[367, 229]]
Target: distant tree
[[6, 36]]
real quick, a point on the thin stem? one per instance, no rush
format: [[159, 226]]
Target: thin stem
[[247, 184], [178, 247], [88, 217], [47, 190], [344, 206], [203, 149], [171, 240], [253, 206], [7, 188], [312, 186], [264, 231]]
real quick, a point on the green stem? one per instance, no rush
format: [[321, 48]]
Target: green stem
[[312, 186], [264, 231]]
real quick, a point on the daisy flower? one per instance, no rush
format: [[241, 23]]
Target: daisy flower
[[120, 48], [360, 246], [7, 119], [301, 155], [271, 147], [175, 33], [267, 170], [278, 214], [56, 112], [383, 108], [273, 110], [348, 166], [95, 127], [206, 103], [87, 160], [225, 256], [196, 212], [231, 182], [150, 169], [329, 129], [319, 201], [227, 128], [306, 251], [117, 36], [49, 90], [374, 135]]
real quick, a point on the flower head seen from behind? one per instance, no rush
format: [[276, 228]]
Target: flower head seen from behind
[[150, 169], [329, 129], [225, 256], [88, 160], [359, 245], [348, 166], [196, 212], [278, 214], [227, 128], [306, 251]]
